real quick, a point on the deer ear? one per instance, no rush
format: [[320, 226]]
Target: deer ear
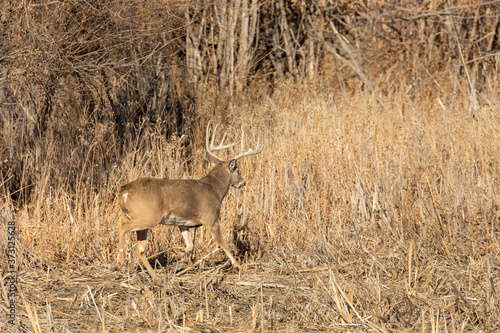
[[232, 166]]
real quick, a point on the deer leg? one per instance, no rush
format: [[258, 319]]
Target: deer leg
[[187, 239], [140, 250], [194, 242], [124, 227], [121, 246], [218, 237]]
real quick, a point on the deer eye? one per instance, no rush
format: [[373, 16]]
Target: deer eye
[[232, 166]]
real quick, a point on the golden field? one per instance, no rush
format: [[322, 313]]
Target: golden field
[[353, 218], [375, 206]]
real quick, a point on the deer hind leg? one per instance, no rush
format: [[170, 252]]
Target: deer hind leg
[[218, 237], [140, 250], [124, 227], [121, 245]]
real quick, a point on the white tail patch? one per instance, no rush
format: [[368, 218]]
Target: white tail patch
[[125, 195]]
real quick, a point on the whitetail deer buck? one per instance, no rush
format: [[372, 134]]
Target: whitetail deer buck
[[185, 203]]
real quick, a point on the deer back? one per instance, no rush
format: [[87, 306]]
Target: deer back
[[158, 200]]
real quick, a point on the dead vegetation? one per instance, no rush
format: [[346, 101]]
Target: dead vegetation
[[375, 208]]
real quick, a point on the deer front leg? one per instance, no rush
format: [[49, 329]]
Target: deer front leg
[[187, 239], [140, 250], [218, 237]]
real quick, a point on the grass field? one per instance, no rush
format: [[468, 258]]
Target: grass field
[[357, 216]]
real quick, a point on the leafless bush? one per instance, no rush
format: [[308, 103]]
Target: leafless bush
[[86, 75], [83, 77]]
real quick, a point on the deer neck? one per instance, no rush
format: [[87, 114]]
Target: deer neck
[[219, 180]]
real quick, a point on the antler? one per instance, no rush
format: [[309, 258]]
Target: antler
[[250, 151], [210, 145], [211, 148]]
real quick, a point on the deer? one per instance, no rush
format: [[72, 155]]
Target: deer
[[185, 203]]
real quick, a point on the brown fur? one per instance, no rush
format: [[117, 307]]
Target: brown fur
[[186, 203]]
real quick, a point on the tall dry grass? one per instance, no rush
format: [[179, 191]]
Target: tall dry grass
[[374, 207], [400, 205]]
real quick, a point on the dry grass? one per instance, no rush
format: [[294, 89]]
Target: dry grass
[[354, 218], [375, 206]]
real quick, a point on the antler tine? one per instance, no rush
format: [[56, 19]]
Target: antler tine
[[250, 151], [209, 143]]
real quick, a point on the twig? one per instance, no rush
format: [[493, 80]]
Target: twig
[[197, 263], [266, 285]]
